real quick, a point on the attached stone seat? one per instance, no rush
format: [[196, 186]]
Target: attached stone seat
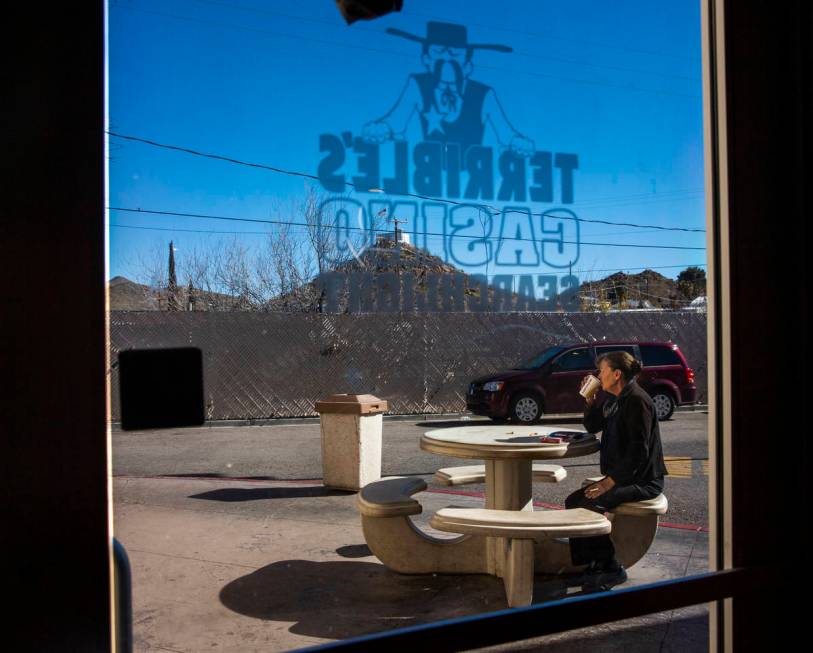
[[635, 525], [518, 530], [521, 524], [390, 497], [386, 507], [655, 506], [542, 473]]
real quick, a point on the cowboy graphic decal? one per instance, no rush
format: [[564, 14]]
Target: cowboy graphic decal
[[451, 107], [465, 157]]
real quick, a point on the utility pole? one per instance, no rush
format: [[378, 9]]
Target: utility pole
[[396, 222], [398, 247]]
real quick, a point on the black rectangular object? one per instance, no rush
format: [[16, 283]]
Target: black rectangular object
[[161, 388]]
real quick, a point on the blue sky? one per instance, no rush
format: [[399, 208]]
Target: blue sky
[[617, 84]]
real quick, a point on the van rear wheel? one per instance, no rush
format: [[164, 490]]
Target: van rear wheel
[[664, 405], [526, 409]]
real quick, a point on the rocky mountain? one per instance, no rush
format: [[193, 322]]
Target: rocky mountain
[[421, 277], [127, 295], [642, 290]]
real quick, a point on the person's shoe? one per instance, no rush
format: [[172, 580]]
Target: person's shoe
[[602, 579], [576, 578]]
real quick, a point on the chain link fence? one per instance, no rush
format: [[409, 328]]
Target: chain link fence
[[273, 365]]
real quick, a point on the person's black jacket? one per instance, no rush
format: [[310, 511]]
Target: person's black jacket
[[631, 450]]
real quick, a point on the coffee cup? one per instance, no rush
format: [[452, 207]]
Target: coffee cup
[[590, 387]]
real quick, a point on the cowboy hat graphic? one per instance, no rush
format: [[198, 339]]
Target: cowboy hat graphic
[[452, 107], [449, 35]]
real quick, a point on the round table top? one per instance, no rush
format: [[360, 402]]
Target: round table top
[[507, 441]]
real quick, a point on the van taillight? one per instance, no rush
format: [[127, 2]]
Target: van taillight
[[689, 375]]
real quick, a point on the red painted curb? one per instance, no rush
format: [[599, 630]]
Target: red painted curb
[[318, 481]]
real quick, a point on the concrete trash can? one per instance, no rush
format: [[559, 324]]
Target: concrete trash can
[[351, 440]]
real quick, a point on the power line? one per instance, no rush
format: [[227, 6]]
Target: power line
[[635, 290], [468, 24], [651, 267], [265, 233], [297, 37], [643, 201], [674, 194], [218, 157], [193, 231], [516, 274], [560, 38], [337, 24], [656, 267], [349, 228], [348, 184], [618, 233]]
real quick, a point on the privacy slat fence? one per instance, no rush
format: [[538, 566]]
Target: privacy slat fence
[[272, 365]]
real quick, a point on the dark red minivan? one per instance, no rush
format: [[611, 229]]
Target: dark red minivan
[[550, 382]]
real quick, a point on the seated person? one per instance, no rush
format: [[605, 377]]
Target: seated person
[[631, 460]]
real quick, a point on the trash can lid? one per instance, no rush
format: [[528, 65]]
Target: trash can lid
[[352, 404]]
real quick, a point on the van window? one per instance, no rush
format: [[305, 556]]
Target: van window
[[655, 355], [606, 349], [576, 359], [540, 359]]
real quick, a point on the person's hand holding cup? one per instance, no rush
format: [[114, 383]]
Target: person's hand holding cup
[[589, 388]]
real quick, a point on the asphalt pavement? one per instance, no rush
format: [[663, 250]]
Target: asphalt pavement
[[235, 544], [292, 451]]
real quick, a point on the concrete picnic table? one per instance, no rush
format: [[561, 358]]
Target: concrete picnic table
[[508, 452], [506, 539]]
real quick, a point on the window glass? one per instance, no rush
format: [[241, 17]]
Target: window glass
[[605, 350], [654, 355], [540, 360], [393, 210], [578, 359]]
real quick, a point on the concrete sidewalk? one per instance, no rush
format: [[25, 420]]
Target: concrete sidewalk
[[237, 565]]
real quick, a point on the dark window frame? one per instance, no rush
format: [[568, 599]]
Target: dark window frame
[[759, 62]]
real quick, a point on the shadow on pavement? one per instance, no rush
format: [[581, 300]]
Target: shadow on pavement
[[231, 495], [343, 599], [340, 599]]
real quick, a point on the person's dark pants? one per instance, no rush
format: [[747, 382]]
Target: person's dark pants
[[600, 549]]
